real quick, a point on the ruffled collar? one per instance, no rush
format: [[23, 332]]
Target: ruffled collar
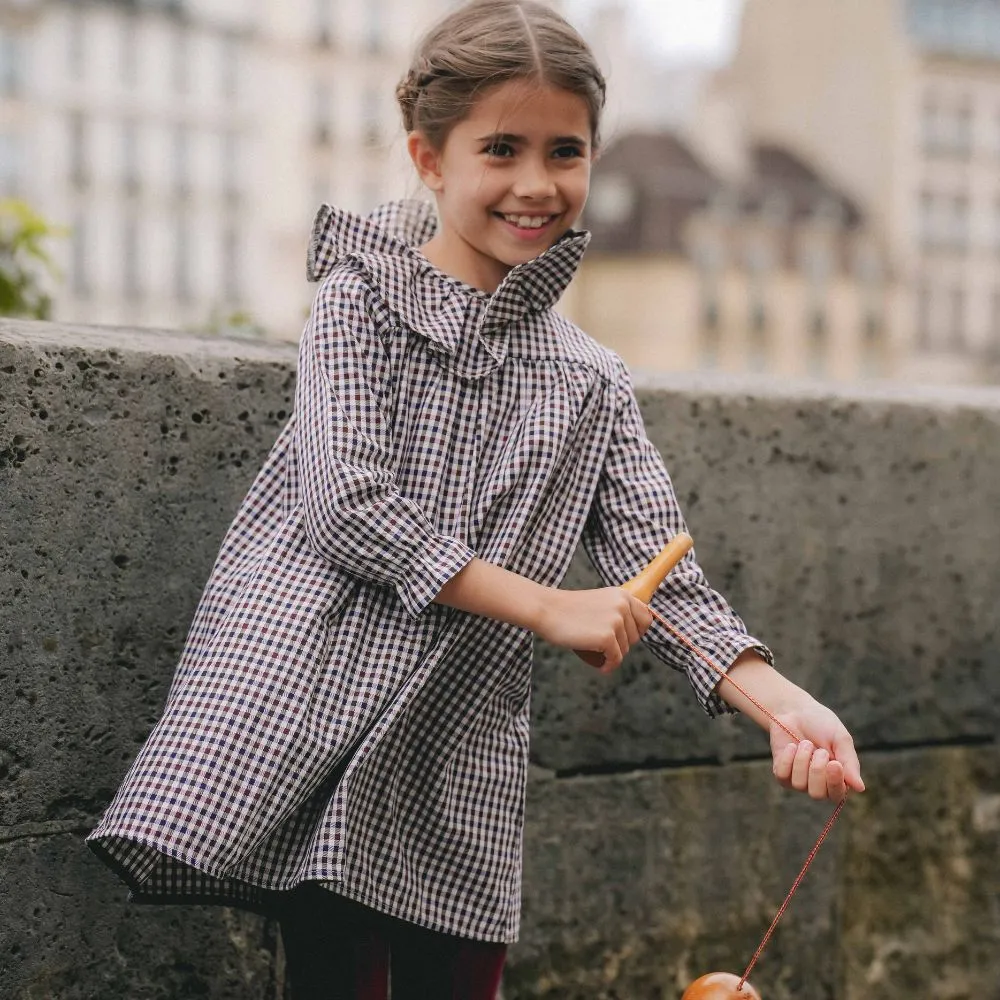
[[384, 246]]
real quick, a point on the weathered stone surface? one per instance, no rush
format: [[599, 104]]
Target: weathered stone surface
[[122, 461], [66, 933], [857, 537], [920, 885], [636, 885]]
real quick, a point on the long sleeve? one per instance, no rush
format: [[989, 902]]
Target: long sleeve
[[633, 515], [355, 515]]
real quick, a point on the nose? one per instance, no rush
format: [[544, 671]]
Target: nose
[[533, 180]]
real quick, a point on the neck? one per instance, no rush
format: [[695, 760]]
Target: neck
[[473, 268]]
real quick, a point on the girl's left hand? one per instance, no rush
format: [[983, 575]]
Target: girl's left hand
[[823, 763]]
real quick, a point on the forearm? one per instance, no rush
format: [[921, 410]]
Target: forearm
[[764, 684], [493, 592]]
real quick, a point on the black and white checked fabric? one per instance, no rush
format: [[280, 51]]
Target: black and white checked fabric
[[327, 721]]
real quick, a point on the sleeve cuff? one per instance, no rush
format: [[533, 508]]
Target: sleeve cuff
[[434, 565], [724, 651]]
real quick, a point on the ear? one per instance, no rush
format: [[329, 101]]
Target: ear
[[426, 160]]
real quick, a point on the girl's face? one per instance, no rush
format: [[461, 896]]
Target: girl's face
[[510, 180]]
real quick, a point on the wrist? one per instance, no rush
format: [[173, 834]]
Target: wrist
[[752, 679], [540, 608]]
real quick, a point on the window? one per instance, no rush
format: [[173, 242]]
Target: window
[[322, 107], [947, 125], [816, 345], [230, 141], [711, 329], [928, 220], [76, 43], [130, 156], [612, 200], [79, 167], [128, 59], [229, 67], [925, 306], [231, 283], [957, 318], [930, 122], [758, 340], [130, 259], [323, 21], [959, 223], [995, 323], [10, 164], [182, 260], [871, 280], [180, 59], [10, 65], [374, 26], [709, 259], [963, 129], [759, 261], [816, 262], [371, 120], [79, 257], [182, 172]]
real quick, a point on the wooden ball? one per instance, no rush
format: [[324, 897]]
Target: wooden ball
[[719, 986]]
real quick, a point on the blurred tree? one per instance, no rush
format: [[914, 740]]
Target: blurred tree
[[235, 324], [24, 262]]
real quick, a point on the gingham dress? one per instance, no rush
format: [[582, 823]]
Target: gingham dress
[[327, 721]]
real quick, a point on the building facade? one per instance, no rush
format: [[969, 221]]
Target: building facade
[[184, 145], [131, 126], [776, 272], [899, 103]]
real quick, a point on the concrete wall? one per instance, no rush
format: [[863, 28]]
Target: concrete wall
[[859, 536]]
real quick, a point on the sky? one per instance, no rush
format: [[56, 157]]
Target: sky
[[680, 30]]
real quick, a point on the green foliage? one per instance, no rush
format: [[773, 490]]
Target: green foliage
[[24, 261], [240, 323]]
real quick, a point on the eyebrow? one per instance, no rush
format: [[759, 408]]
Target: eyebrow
[[561, 140]]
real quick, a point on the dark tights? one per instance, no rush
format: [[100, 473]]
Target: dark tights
[[336, 949]]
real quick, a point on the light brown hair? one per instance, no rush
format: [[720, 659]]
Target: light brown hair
[[488, 42]]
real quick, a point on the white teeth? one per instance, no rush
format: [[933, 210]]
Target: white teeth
[[528, 221]]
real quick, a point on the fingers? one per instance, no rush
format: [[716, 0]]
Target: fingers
[[641, 616], [816, 784], [783, 760], [614, 651], [843, 751], [806, 768], [836, 787], [630, 629]]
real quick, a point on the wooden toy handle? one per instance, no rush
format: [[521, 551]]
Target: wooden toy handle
[[644, 585]]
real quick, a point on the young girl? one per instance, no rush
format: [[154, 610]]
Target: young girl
[[346, 739]]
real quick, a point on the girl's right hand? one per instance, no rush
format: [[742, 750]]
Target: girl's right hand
[[600, 626]]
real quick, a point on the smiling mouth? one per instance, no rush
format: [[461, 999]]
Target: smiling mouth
[[527, 221]]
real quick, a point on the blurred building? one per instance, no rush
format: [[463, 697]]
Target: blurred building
[[330, 127], [777, 271], [132, 125], [898, 102], [186, 144]]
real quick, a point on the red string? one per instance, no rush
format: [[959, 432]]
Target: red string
[[685, 641]]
